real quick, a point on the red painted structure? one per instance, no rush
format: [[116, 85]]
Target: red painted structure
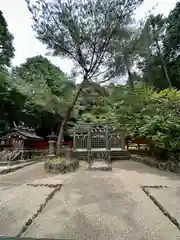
[[40, 145], [44, 145], [138, 141]]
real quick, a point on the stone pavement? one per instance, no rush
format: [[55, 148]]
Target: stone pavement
[[169, 198], [24, 175], [11, 168], [100, 166], [18, 205], [97, 205], [106, 205]]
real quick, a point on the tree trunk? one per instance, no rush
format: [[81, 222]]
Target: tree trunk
[[60, 135], [130, 81], [163, 65], [167, 75], [66, 118]]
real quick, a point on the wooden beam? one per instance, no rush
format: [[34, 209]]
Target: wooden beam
[[74, 141]]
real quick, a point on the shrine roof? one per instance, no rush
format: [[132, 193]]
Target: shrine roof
[[94, 127], [24, 133]]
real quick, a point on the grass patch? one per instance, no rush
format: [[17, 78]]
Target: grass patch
[[58, 160]]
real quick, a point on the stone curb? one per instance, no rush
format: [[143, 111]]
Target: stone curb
[[154, 186], [157, 164], [42, 206], [13, 168], [100, 169], [44, 185], [159, 205]]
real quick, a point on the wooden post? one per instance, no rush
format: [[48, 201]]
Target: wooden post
[[89, 146], [122, 140], [74, 141], [108, 157], [22, 150], [107, 139]]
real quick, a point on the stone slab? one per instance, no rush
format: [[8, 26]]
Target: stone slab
[[12, 168], [98, 205], [25, 175], [45, 181], [100, 166], [169, 198], [19, 204], [2, 188]]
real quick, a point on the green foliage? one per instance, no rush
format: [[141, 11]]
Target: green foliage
[[153, 115], [81, 30], [40, 69], [152, 47], [142, 112], [98, 35], [37, 93], [6, 46], [152, 61], [173, 31], [123, 53], [44, 84], [159, 59], [12, 101]]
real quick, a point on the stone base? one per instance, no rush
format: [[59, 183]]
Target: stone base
[[152, 162], [61, 167], [100, 166], [51, 155]]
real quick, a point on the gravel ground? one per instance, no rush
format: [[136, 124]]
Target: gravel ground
[[24, 175], [106, 205], [90, 205], [169, 198], [18, 205]]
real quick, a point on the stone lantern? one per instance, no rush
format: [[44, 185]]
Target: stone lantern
[[52, 143]]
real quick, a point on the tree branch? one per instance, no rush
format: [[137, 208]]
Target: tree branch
[[113, 74], [105, 44]]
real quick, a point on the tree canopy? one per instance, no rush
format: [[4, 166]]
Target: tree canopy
[[81, 30], [6, 45], [104, 41], [37, 92]]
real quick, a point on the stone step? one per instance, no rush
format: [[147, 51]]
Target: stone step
[[100, 166], [122, 153], [116, 155], [113, 158], [125, 156]]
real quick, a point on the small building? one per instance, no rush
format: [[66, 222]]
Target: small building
[[17, 143]]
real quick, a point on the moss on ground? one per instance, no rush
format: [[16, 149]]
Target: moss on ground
[[58, 160]]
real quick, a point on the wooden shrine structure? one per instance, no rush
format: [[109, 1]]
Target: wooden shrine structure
[[97, 142], [17, 143]]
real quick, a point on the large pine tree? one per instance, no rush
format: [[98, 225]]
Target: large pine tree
[[6, 43]]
